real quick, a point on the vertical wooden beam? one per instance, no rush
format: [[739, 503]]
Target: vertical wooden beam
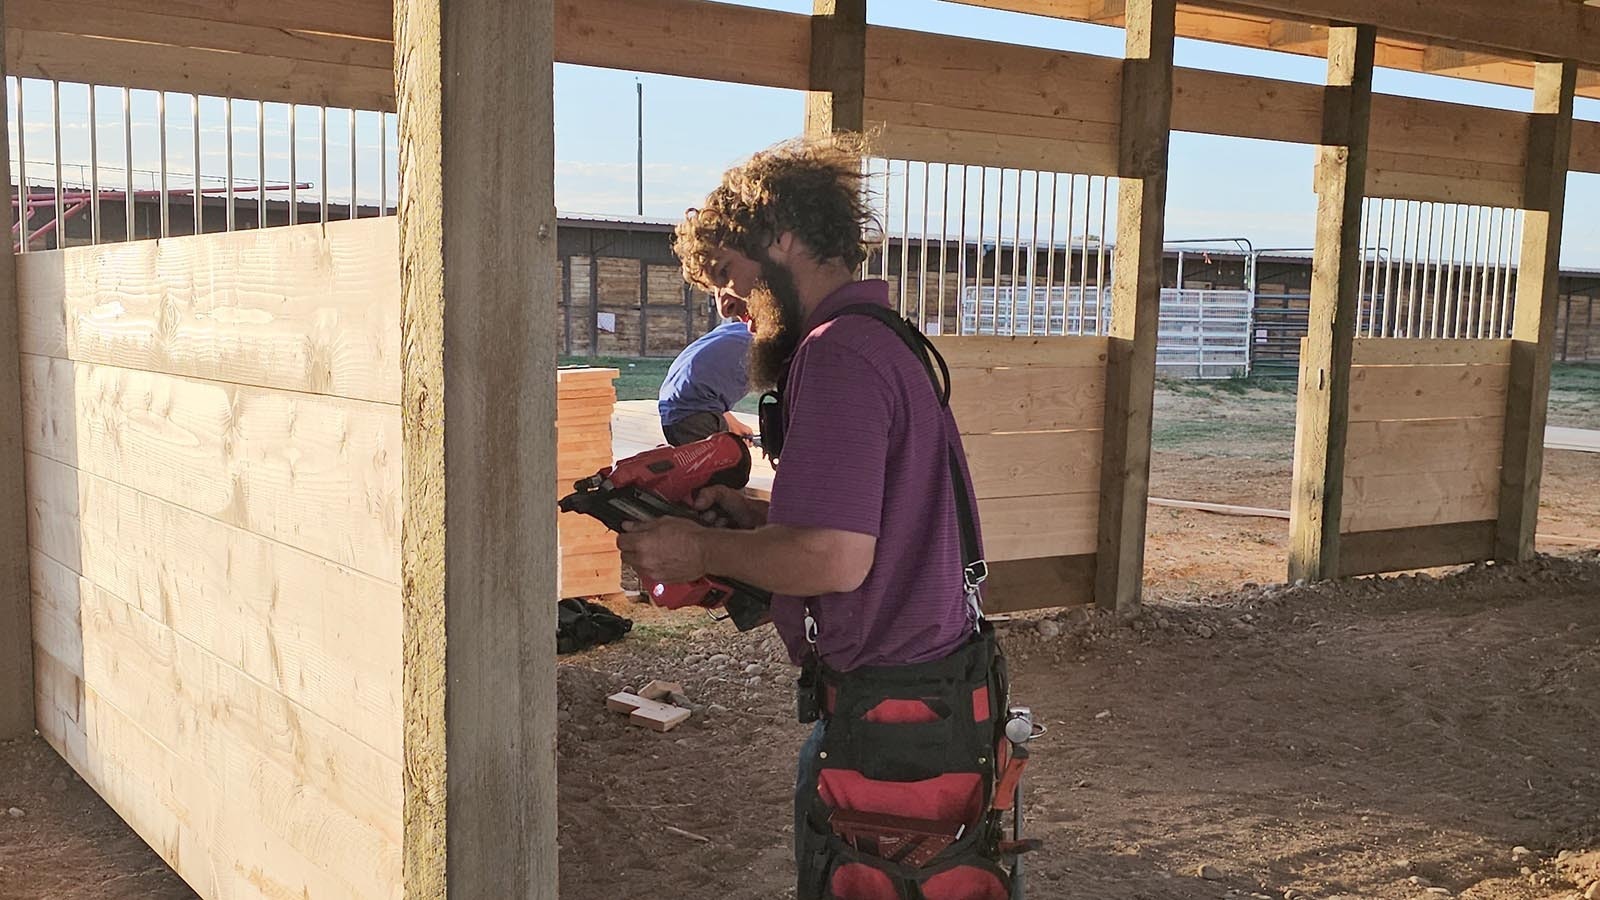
[[688, 313], [644, 308], [1324, 400], [1533, 328], [479, 554], [594, 299], [1146, 136], [16, 628], [1567, 324], [837, 100], [566, 304]]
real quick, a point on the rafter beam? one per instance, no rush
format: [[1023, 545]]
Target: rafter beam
[[1298, 37], [1293, 27], [1555, 29]]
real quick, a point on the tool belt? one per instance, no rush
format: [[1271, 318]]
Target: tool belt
[[903, 802]]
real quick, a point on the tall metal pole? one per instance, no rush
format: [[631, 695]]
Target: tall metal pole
[[639, 85]]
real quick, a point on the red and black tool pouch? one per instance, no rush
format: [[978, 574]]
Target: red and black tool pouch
[[914, 750]]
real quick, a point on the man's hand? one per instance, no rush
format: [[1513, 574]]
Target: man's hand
[[668, 550], [723, 505]]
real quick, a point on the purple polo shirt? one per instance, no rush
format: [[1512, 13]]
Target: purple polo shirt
[[865, 451]]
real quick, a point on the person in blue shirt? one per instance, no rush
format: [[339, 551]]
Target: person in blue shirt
[[708, 378]]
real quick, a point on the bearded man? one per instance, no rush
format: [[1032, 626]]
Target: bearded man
[[870, 542]]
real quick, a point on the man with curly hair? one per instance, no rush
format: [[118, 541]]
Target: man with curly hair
[[862, 542]]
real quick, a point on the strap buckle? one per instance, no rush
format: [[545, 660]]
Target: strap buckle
[[974, 574]]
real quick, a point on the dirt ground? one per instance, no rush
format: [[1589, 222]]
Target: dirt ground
[[1368, 739]]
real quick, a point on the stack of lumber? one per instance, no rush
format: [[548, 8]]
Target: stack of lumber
[[590, 564]]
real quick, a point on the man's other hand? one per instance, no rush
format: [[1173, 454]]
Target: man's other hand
[[737, 425], [668, 550], [717, 503]]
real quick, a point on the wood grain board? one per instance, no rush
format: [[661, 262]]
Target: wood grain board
[[1425, 434], [1379, 393], [1417, 547], [318, 473], [1027, 398], [323, 635], [213, 476], [591, 566], [217, 772], [307, 308], [1026, 463]]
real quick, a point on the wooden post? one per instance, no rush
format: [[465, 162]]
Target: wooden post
[[594, 299], [1324, 400], [566, 304], [16, 628], [644, 308], [1533, 329], [688, 314], [1136, 302], [837, 100], [479, 553]]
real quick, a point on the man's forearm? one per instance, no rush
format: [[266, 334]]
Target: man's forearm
[[801, 562]]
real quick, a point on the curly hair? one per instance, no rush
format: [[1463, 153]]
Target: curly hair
[[811, 187]]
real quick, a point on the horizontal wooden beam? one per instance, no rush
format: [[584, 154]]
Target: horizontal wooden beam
[[691, 38], [369, 19], [1422, 547], [1022, 584], [168, 25], [988, 76], [159, 67], [1431, 352]]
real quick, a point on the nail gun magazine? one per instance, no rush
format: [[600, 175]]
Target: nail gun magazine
[[663, 482]]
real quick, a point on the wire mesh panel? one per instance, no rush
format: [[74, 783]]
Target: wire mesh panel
[[1437, 270], [93, 163], [1204, 333]]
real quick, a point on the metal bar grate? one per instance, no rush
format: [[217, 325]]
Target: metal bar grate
[[142, 176], [1439, 270]]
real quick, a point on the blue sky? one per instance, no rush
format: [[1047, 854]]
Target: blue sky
[[1218, 186]]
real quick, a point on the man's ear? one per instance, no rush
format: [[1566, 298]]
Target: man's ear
[[781, 250]]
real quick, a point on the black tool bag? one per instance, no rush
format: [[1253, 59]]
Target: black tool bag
[[923, 742], [581, 625]]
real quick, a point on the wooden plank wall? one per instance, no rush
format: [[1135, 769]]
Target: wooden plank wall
[[647, 321], [952, 99], [1422, 462], [213, 450], [1578, 329], [1031, 413]]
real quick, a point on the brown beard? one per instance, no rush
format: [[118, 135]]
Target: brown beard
[[778, 323]]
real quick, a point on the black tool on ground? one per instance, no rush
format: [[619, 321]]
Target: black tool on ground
[[662, 482], [581, 625]]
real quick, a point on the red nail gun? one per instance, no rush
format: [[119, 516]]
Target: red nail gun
[[663, 482]]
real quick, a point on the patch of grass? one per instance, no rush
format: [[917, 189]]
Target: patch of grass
[[637, 379], [664, 629], [1575, 395], [1225, 437], [1577, 377]]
